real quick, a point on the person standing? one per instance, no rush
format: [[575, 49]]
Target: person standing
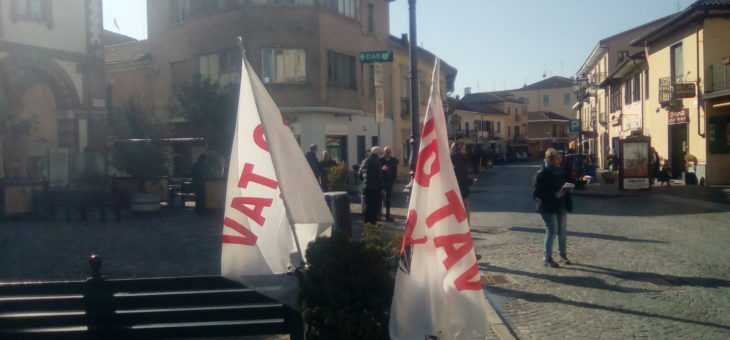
[[552, 203], [654, 161], [373, 184], [311, 157], [460, 160], [389, 166], [325, 164]]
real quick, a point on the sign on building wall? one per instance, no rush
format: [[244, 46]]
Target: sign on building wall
[[680, 117], [684, 90]]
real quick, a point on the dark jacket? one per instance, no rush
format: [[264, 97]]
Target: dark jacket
[[314, 164], [547, 184], [371, 174], [392, 173], [461, 170]]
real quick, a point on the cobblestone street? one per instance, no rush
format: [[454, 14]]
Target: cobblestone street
[[648, 266]]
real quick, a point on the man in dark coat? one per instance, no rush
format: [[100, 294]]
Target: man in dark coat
[[389, 165], [373, 185], [311, 157], [461, 169]]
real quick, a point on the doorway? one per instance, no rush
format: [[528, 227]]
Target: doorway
[[678, 148]]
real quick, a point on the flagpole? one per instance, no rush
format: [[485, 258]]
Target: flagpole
[[284, 201], [415, 116]]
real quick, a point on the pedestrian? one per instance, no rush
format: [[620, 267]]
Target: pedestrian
[[460, 160], [654, 162], [389, 166], [311, 157], [553, 200], [372, 176], [325, 164]]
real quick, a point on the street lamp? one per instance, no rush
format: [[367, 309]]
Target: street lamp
[[415, 121]]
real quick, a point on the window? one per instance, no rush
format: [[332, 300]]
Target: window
[[360, 148], [374, 141], [637, 87], [219, 67], [677, 63], [555, 131], [546, 100], [341, 70], [566, 99], [284, 66], [622, 55], [371, 18], [32, 9], [466, 128], [347, 8], [615, 101], [499, 126], [627, 91], [181, 10], [646, 84]]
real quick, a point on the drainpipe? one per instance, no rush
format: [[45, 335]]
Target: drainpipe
[[699, 93]]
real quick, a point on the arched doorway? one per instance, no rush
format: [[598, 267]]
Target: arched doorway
[[33, 91]]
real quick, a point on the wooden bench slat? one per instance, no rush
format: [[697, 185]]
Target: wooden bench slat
[[41, 288], [42, 303], [187, 300], [171, 284], [139, 317], [15, 321], [218, 329]]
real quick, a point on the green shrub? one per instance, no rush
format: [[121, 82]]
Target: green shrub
[[347, 288], [336, 177]]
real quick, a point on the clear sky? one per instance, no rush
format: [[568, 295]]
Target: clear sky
[[495, 44]]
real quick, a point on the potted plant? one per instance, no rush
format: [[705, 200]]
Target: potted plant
[[139, 153]]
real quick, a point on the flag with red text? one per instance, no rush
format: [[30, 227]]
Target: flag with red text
[[273, 208], [438, 291]]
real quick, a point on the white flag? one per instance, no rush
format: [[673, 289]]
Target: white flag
[[269, 196], [438, 291]]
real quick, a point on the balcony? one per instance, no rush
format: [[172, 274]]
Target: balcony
[[718, 77], [597, 78]]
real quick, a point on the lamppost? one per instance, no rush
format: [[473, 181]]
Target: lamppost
[[415, 121]]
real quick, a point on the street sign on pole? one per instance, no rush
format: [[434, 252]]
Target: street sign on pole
[[376, 56], [378, 76], [379, 105], [574, 125]]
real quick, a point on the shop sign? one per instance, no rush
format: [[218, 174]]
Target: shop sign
[[684, 90], [679, 117]]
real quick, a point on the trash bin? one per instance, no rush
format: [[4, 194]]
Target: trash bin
[[339, 204]]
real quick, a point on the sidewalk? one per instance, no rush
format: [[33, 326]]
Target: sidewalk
[[711, 194]]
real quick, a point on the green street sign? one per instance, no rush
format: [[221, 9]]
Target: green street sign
[[376, 56]]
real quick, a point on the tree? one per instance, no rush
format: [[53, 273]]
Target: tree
[[212, 107], [138, 149]]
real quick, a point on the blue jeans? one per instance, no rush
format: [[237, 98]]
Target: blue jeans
[[554, 221]]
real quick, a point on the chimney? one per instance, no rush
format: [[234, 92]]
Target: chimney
[[404, 38], [467, 91]]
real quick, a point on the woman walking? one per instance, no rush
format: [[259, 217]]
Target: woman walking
[[553, 201]]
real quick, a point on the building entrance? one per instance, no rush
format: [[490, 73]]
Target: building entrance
[[677, 148]]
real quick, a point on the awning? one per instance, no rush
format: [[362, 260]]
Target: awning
[[575, 106], [716, 94]]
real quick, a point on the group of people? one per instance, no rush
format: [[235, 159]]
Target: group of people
[[378, 173]]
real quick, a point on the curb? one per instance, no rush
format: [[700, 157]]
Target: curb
[[496, 322]]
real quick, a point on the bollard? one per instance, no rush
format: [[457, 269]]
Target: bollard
[[339, 204]]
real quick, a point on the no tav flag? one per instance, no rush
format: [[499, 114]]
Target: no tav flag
[[438, 291], [273, 208]]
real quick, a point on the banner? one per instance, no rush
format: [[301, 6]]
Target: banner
[[438, 291], [273, 209]]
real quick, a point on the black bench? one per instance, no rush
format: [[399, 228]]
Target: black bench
[[149, 308]]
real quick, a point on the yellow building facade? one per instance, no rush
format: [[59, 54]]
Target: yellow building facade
[[689, 104]]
